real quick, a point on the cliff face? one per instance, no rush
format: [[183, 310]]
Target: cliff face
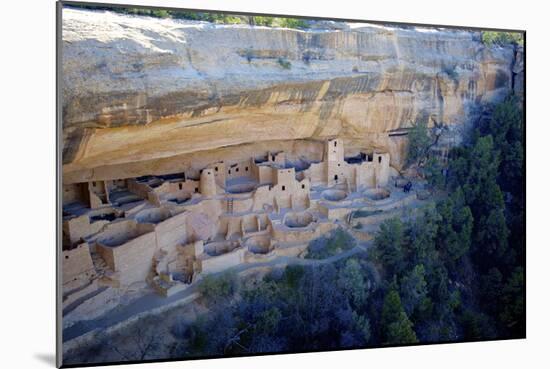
[[149, 96]]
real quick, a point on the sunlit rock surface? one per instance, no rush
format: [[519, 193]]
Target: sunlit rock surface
[[150, 96]]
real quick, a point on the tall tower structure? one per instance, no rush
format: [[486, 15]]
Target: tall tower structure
[[207, 182], [335, 162]]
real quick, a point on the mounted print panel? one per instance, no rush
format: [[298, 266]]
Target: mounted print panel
[[235, 184]]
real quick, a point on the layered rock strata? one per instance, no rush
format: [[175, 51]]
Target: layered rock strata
[[154, 96]]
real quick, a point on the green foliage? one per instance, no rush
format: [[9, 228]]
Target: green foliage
[[285, 64], [501, 38], [229, 19], [481, 170], [353, 283], [362, 324], [293, 274], [477, 326], [422, 233], [268, 320], [337, 241], [218, 288], [455, 227], [263, 21], [433, 172], [414, 292], [484, 172], [293, 23], [219, 18], [160, 13], [401, 331], [419, 142], [490, 290], [513, 302], [398, 329], [506, 128], [475, 172], [466, 239], [492, 234], [389, 245]]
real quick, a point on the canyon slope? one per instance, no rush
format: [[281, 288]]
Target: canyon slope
[[154, 96]]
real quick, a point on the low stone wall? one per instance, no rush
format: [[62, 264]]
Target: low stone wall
[[77, 267], [291, 250], [171, 231], [132, 260], [215, 264], [338, 213], [282, 233], [80, 227]]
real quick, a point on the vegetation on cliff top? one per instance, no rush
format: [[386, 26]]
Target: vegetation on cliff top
[[501, 38], [219, 18]]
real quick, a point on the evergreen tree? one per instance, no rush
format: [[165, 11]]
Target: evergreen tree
[[389, 245], [490, 291], [422, 236], [513, 302], [397, 328], [433, 172], [352, 282], [414, 292], [455, 226], [419, 142]]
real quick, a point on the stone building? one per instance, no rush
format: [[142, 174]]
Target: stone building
[[169, 230], [356, 173]]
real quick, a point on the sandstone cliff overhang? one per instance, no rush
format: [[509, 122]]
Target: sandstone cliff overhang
[[148, 96]]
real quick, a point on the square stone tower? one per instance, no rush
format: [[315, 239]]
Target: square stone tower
[[334, 154]]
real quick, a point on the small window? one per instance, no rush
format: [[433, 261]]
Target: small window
[[303, 186], [336, 177], [229, 171], [200, 171], [93, 184], [273, 157], [246, 169], [284, 188], [237, 170], [66, 256], [216, 169], [208, 173], [379, 159], [196, 189], [334, 143], [338, 164], [181, 186]]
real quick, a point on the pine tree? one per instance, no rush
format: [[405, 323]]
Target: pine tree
[[389, 245], [397, 328]]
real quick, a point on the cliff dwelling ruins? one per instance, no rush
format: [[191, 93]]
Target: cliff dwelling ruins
[[170, 230], [196, 151]]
